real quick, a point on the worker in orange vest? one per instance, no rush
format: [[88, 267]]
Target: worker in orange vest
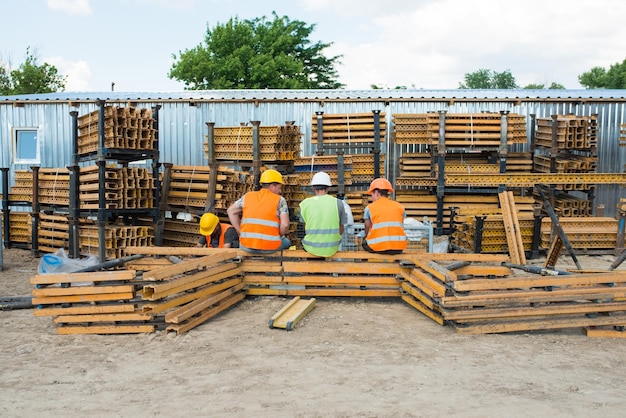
[[384, 221], [262, 217], [215, 234]]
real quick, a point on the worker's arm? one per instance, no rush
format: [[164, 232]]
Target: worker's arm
[[284, 224], [234, 213], [368, 226]]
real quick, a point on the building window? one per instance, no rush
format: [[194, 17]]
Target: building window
[[26, 147]]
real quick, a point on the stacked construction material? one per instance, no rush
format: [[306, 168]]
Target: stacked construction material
[[422, 164], [178, 233], [101, 302], [116, 238], [193, 291], [189, 187], [22, 190], [460, 130], [622, 135], [21, 229], [568, 205], [571, 132], [299, 273], [306, 167], [477, 296], [124, 128], [492, 237], [125, 188], [348, 128], [54, 186], [277, 144], [53, 232], [419, 204], [584, 234]]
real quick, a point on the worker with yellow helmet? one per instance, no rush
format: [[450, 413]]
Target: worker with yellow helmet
[[215, 234], [384, 221], [262, 217]]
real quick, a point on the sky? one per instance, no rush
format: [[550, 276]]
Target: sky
[[421, 44]]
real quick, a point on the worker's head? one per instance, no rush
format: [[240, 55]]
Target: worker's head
[[272, 180], [321, 181], [208, 223], [380, 187]]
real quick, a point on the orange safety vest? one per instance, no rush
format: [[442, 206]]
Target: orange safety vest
[[260, 224], [387, 231], [224, 228]]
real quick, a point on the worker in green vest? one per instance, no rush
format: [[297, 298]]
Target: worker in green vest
[[324, 217]]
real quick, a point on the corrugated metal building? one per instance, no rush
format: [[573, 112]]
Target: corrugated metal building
[[183, 117]]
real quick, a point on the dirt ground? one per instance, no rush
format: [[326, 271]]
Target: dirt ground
[[347, 358]]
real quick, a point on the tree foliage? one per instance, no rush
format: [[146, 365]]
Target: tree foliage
[[599, 77], [487, 79], [30, 77], [539, 86], [257, 54]]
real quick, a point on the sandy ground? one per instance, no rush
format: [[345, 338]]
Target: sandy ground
[[347, 358]]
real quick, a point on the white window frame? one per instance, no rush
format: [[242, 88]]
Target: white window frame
[[16, 154]]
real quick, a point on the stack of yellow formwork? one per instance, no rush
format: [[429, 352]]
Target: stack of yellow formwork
[[124, 128], [277, 144]]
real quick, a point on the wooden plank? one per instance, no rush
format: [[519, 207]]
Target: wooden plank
[[327, 292], [509, 228], [588, 279], [207, 314], [110, 329], [604, 333], [565, 308], [150, 292], [81, 290], [436, 270], [340, 268], [198, 305], [542, 324], [423, 309], [96, 276], [186, 266], [115, 317], [82, 298], [426, 287], [86, 310], [525, 297], [188, 297], [417, 294], [292, 313]]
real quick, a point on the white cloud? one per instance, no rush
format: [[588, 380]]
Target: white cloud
[[73, 7], [78, 73]]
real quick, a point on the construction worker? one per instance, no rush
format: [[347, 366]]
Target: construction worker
[[324, 217], [262, 217], [384, 221], [216, 234]]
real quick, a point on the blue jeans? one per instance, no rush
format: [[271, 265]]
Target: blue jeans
[[285, 244]]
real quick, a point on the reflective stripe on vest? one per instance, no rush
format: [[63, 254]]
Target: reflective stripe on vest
[[387, 231], [321, 216], [260, 225]]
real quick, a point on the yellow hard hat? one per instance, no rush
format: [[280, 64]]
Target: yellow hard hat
[[208, 223], [380, 184], [271, 176]]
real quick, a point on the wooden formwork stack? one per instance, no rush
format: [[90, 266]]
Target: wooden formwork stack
[[461, 130], [584, 233], [347, 128], [124, 128], [277, 144]]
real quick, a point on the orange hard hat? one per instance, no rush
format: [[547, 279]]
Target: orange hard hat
[[381, 184], [208, 223]]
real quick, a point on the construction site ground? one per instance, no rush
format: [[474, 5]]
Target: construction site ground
[[348, 357]]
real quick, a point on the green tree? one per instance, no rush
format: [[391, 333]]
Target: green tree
[[593, 79], [599, 77], [487, 79], [30, 77], [257, 54], [537, 86]]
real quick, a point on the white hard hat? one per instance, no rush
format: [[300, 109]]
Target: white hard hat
[[321, 179]]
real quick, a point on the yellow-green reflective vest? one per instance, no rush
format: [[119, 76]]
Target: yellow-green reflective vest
[[321, 216]]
